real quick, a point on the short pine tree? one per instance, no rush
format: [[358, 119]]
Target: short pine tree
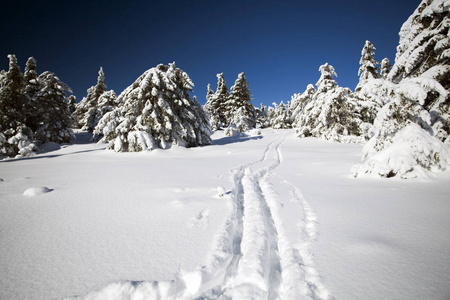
[[156, 111], [385, 68], [280, 117], [262, 117], [331, 114]]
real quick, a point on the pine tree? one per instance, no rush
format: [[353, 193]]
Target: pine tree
[[262, 117], [32, 88], [215, 105], [326, 81], [240, 99], [55, 120], [156, 111], [72, 103], [280, 118], [410, 133], [385, 68], [332, 113], [368, 69], [88, 112], [214, 119], [15, 136], [298, 103]]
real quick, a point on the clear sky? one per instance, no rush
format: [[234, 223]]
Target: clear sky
[[278, 44]]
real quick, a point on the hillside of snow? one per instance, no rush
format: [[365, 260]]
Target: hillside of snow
[[267, 216]]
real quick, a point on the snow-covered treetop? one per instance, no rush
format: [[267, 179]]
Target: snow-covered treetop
[[30, 69], [241, 89], [368, 69], [424, 40], [385, 68], [326, 80], [222, 88]]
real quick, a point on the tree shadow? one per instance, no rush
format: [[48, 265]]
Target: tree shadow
[[235, 139], [41, 156]]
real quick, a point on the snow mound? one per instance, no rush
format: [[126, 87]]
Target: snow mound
[[36, 191], [412, 153]]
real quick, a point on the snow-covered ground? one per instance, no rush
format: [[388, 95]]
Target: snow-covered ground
[[269, 216]]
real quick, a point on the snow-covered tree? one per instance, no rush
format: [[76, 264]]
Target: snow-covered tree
[[280, 118], [93, 107], [215, 104], [332, 113], [262, 117], [240, 122], [55, 121], [72, 103], [369, 66], [15, 136], [239, 100], [214, 119], [326, 81], [385, 68], [298, 103], [32, 88], [410, 133], [156, 111]]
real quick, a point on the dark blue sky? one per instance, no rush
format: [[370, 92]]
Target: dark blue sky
[[278, 44]]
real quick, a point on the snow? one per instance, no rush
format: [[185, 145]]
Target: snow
[[250, 216], [36, 191]]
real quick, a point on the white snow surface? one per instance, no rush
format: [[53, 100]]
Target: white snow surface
[[269, 216]]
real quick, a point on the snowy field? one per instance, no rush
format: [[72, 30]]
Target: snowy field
[[265, 216]]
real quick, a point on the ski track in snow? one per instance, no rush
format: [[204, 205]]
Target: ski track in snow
[[252, 257]]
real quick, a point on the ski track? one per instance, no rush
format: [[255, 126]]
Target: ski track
[[253, 257]]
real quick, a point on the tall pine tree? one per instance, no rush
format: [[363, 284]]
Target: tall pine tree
[[55, 120], [215, 104], [239, 99], [369, 66], [92, 108], [15, 136]]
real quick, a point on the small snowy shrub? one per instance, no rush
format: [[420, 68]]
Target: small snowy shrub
[[411, 152]]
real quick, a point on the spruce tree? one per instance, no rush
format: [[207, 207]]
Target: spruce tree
[[410, 135], [240, 99], [280, 118], [32, 88], [369, 66], [215, 104], [298, 103], [15, 136], [385, 68], [89, 111], [262, 117], [214, 119], [156, 111], [331, 114], [55, 120]]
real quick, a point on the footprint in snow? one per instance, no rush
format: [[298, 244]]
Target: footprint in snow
[[201, 219], [36, 191]]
